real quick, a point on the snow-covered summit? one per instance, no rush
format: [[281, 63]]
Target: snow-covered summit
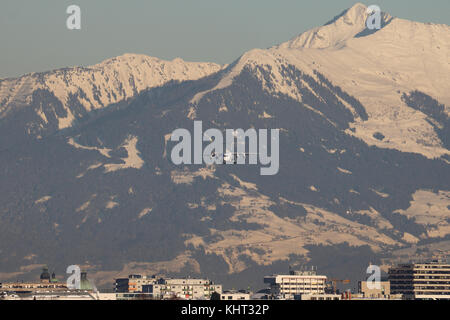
[[375, 66], [334, 34], [100, 85]]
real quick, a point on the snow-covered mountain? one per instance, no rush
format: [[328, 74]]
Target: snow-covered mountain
[[98, 86], [364, 166], [375, 67], [349, 24]]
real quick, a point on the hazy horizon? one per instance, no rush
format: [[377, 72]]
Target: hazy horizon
[[35, 39]]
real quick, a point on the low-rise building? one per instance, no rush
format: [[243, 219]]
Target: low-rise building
[[296, 283], [106, 296], [133, 296], [183, 288], [121, 285], [235, 295], [370, 290], [58, 295], [144, 287], [360, 296], [22, 287], [134, 283], [46, 283], [325, 296]]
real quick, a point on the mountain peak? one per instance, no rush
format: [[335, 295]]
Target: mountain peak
[[357, 7], [350, 23], [356, 13]]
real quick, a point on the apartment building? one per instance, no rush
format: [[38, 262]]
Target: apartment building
[[165, 288], [134, 283], [187, 288], [428, 280]]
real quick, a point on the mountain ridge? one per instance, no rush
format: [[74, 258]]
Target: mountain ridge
[[99, 85]]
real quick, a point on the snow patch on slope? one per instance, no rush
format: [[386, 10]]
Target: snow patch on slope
[[103, 151], [280, 237], [431, 210], [133, 160], [42, 200]]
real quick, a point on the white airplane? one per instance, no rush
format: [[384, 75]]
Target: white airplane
[[230, 157]]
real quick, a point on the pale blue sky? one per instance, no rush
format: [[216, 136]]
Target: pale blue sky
[[33, 34]]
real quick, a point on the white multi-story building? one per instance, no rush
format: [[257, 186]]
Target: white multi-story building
[[167, 288], [430, 280], [141, 286], [137, 281], [296, 283], [186, 288]]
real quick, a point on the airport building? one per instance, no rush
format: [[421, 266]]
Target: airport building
[[429, 280]]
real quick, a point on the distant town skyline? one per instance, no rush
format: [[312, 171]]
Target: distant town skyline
[[34, 36]]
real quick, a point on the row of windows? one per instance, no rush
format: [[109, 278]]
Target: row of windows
[[302, 284], [19, 286], [416, 281], [432, 277], [231, 298], [410, 272], [299, 288], [432, 272], [302, 289], [433, 288], [433, 282], [434, 267], [400, 271], [433, 293]]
